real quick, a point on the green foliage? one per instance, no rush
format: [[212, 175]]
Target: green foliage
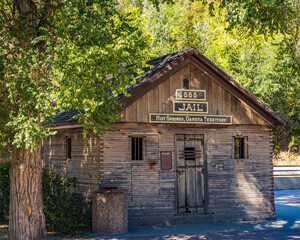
[[279, 86], [255, 42], [4, 108], [264, 16], [93, 76], [65, 211], [294, 142], [82, 53], [79, 56], [173, 27], [4, 190]]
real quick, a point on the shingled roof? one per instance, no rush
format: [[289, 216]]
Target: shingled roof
[[65, 116], [165, 66], [158, 65]]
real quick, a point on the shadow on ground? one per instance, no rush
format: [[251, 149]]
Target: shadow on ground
[[287, 225]]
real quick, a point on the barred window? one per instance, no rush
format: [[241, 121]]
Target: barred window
[[240, 148], [68, 148], [189, 154], [137, 148]]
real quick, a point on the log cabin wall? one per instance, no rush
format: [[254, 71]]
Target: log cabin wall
[[236, 189], [85, 161]]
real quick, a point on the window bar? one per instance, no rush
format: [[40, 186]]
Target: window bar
[[132, 149], [242, 147], [141, 148], [68, 147], [137, 149]]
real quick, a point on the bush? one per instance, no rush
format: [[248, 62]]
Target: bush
[[286, 158], [65, 211], [4, 191]]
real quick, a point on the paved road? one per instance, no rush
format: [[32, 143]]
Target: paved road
[[287, 226], [249, 235]]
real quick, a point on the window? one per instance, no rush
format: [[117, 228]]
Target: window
[[189, 154], [186, 84], [68, 147], [137, 148], [240, 148]]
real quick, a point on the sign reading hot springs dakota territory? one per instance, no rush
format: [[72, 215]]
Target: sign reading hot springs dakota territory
[[183, 118]]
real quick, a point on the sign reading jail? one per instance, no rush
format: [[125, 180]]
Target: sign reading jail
[[191, 119], [184, 94], [190, 107]]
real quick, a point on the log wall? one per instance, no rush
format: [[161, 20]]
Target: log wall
[[85, 162], [242, 187]]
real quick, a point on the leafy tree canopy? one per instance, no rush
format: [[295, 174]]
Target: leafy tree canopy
[[256, 42], [64, 55]]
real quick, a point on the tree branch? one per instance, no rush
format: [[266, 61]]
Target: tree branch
[[25, 6]]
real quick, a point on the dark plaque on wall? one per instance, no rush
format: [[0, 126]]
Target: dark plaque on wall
[[166, 160]]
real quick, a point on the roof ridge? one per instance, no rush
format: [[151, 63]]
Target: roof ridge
[[172, 53]]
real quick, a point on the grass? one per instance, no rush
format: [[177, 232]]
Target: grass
[[286, 158], [3, 232]]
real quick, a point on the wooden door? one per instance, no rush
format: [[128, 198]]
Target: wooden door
[[190, 173]]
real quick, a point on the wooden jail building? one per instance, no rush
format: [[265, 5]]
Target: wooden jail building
[[192, 146]]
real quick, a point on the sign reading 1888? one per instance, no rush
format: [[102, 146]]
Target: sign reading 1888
[[190, 94]]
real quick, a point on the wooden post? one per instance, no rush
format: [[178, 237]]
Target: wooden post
[[110, 214]]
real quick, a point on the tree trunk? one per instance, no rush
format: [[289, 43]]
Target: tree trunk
[[26, 216]]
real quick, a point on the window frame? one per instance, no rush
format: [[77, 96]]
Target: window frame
[[186, 84]]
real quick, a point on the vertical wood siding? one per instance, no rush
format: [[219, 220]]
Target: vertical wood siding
[[220, 102]]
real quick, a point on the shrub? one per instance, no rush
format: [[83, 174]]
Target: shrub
[[286, 158], [4, 191], [65, 211]]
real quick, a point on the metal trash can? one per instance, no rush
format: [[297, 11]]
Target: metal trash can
[[109, 212]]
